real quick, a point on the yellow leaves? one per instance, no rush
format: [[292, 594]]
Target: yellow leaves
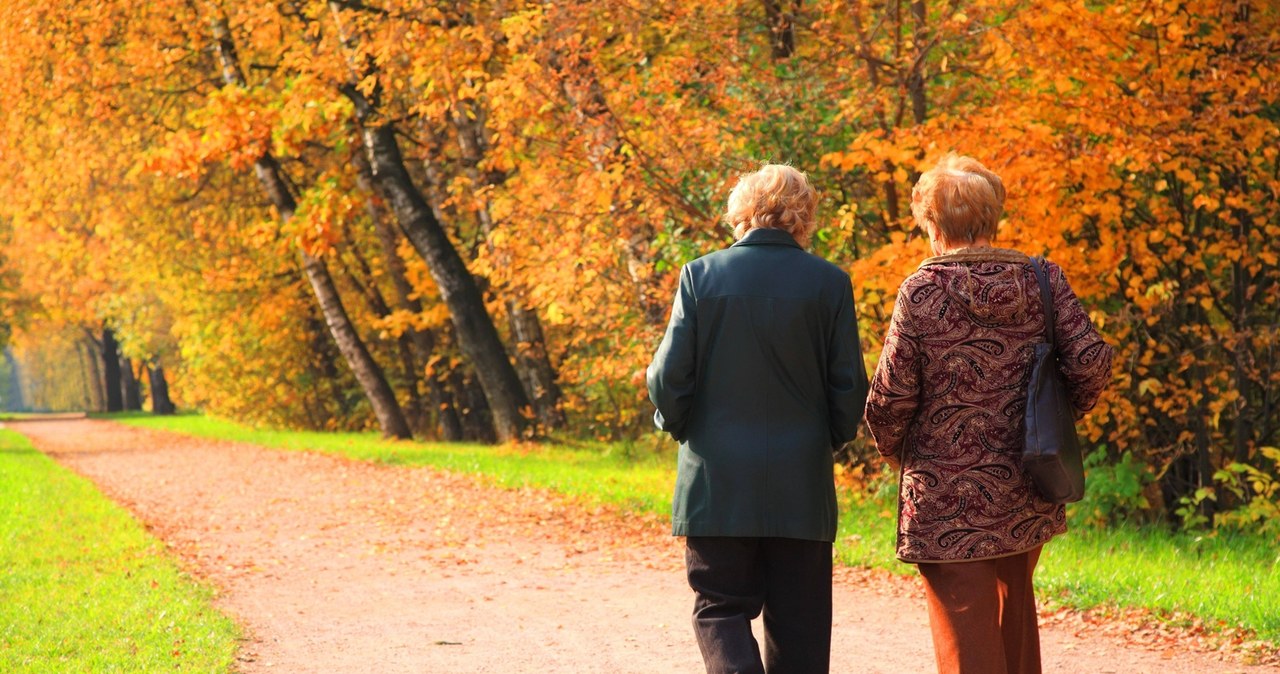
[[555, 314], [317, 225], [847, 217], [400, 321], [307, 112], [1163, 290], [845, 161], [1150, 387], [1118, 165], [520, 27], [999, 51], [1206, 202], [232, 126]]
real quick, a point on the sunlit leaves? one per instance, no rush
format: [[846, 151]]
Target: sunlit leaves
[[581, 152]]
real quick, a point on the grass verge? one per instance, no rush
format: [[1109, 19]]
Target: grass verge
[[85, 588], [1226, 581], [635, 477]]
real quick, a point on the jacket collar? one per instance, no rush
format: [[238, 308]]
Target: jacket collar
[[966, 255], [766, 237]]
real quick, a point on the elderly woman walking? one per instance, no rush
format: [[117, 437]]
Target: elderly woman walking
[[759, 377], [947, 402]]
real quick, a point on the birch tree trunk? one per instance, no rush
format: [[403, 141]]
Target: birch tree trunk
[[477, 336], [533, 363], [370, 376], [448, 423]]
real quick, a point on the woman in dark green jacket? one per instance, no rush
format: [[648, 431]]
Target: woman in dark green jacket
[[759, 377]]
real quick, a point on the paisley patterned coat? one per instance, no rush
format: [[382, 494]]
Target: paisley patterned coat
[[948, 397]]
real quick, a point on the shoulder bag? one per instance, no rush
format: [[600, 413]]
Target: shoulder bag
[[1052, 452]]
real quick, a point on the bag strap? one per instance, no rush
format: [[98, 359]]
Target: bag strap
[[1046, 296]]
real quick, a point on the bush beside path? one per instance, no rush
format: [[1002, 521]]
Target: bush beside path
[[334, 565]]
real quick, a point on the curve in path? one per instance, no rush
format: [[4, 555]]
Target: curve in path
[[334, 565]]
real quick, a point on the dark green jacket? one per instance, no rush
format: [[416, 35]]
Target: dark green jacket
[[759, 377]]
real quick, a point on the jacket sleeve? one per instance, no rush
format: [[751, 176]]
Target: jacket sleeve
[[672, 374], [897, 385], [1084, 359], [846, 373]]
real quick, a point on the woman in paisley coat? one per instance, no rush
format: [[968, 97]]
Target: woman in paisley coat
[[947, 403]]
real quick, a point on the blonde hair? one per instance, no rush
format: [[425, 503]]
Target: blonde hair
[[775, 197], [960, 198]]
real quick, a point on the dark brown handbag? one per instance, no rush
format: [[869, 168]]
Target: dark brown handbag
[[1052, 453]]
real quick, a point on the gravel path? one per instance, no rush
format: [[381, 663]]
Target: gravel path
[[337, 566]]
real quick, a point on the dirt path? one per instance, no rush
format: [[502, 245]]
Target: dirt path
[[338, 566]]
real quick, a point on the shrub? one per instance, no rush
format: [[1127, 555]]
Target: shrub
[[1116, 490]]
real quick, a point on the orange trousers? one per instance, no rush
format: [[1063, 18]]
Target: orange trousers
[[983, 615]]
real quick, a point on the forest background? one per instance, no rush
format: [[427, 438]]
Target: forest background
[[464, 220]]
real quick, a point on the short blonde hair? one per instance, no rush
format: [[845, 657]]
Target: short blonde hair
[[775, 197], [960, 198]]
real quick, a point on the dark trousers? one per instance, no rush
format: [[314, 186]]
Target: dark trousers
[[983, 615], [736, 579]]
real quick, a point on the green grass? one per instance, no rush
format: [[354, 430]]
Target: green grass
[[865, 536], [18, 416], [1224, 580], [85, 589], [633, 477]]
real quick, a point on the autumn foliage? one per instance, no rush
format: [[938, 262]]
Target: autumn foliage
[[575, 154]]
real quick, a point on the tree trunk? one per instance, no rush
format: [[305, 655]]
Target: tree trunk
[[353, 349], [1242, 351], [325, 369], [111, 371], [419, 415], [476, 416], [159, 387], [92, 346], [532, 360], [87, 381], [129, 385], [915, 76], [477, 336], [448, 424], [780, 16], [367, 372], [366, 283], [13, 400], [535, 365], [1203, 458]]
